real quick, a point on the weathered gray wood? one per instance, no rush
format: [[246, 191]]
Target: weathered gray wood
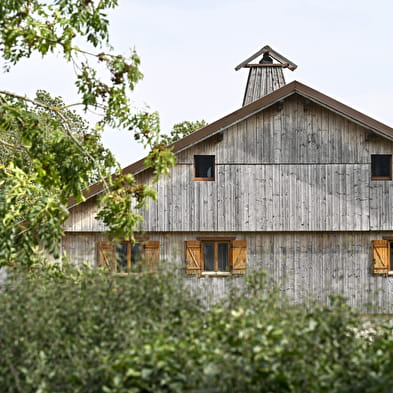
[[261, 82], [308, 264], [266, 197]]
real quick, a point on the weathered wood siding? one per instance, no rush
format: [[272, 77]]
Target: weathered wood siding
[[82, 218], [306, 265], [291, 133], [264, 198], [294, 167], [82, 247], [294, 181]]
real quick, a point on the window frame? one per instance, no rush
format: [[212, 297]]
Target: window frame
[[390, 167], [108, 255], [129, 255], [216, 242], [237, 256], [197, 178]]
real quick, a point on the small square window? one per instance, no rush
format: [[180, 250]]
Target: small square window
[[381, 167], [204, 168]]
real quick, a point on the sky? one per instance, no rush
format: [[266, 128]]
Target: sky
[[189, 50]]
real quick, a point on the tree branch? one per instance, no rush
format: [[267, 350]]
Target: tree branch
[[13, 145], [27, 99], [58, 111], [81, 148]]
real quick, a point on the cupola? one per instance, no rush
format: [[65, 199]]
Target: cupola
[[265, 76]]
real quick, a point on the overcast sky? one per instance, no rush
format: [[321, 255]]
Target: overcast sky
[[189, 49]]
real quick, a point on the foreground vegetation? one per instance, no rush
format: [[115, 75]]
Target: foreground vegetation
[[86, 331]]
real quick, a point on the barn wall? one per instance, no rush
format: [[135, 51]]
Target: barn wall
[[293, 132], [82, 218], [295, 167], [266, 198], [81, 247], [304, 264]]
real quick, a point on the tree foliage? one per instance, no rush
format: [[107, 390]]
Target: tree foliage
[[45, 160], [89, 332], [40, 172], [180, 130]]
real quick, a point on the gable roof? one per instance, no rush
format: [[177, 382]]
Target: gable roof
[[251, 109]]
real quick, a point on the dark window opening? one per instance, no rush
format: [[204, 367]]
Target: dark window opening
[[208, 256], [128, 256], [381, 166], [204, 167], [136, 253], [223, 257], [122, 257]]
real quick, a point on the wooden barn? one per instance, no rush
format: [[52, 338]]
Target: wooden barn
[[293, 182]]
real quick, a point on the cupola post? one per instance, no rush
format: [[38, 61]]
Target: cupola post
[[266, 76]]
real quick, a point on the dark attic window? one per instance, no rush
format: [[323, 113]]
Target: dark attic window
[[381, 167], [204, 168]]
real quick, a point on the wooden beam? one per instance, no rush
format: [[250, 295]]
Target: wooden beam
[[276, 56], [251, 65], [251, 58], [281, 59]]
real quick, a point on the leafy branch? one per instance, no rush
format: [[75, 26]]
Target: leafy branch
[[61, 155]]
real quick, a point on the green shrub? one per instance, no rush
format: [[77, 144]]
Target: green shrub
[[88, 331]]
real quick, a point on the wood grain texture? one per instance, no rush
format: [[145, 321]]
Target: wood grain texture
[[305, 265], [294, 168], [262, 81], [266, 198]]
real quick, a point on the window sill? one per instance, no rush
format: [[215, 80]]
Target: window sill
[[217, 274], [132, 273], [382, 273], [204, 179]]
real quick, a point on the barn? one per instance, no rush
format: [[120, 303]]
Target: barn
[[293, 182]]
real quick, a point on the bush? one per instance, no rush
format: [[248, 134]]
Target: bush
[[88, 331]]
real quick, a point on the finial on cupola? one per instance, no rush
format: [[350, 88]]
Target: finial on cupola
[[265, 76]]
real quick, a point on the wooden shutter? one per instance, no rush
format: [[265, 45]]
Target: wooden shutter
[[239, 256], [106, 255], [380, 256], [152, 255], [193, 257]]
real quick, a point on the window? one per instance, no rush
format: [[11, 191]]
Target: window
[[126, 256], [381, 167], [215, 256], [382, 256], [204, 168]]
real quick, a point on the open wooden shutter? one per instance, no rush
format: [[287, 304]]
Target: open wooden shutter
[[152, 255], [239, 256], [380, 256], [106, 255], [193, 257]]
